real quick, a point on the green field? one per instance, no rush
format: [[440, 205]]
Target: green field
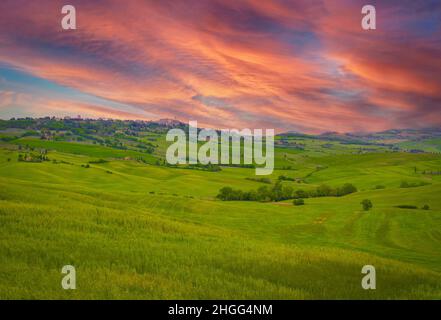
[[138, 230], [429, 145]]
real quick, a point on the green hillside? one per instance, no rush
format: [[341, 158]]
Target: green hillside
[[138, 229]]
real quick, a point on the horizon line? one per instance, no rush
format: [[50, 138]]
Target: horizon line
[[79, 118]]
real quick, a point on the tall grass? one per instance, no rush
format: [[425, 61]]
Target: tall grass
[[152, 232]]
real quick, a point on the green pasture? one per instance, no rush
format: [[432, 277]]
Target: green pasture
[[142, 231]]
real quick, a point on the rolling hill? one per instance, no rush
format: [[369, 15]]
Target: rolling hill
[[97, 195]]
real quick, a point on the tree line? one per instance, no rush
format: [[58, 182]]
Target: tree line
[[280, 192]]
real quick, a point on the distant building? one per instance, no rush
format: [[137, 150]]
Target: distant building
[[168, 122]]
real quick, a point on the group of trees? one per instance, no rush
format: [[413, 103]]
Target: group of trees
[[326, 191], [122, 135], [30, 157], [406, 206], [285, 178], [204, 167], [197, 166], [405, 184], [8, 138], [262, 180], [281, 192]]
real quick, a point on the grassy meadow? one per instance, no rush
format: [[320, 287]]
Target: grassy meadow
[[137, 230]]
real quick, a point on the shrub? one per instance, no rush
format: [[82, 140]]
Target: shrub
[[324, 191], [298, 202], [425, 207], [263, 193], [366, 204], [225, 193], [262, 180], [98, 161], [380, 187], [285, 178], [406, 184], [406, 206], [265, 180], [346, 189], [300, 194]]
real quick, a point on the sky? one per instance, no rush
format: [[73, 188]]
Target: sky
[[298, 65]]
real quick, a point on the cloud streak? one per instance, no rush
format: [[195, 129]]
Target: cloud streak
[[289, 65]]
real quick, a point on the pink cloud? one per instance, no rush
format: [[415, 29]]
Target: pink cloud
[[302, 65]]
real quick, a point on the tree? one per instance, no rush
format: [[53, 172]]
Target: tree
[[287, 192], [225, 193], [263, 193], [301, 194], [346, 189], [366, 204], [276, 192], [324, 191]]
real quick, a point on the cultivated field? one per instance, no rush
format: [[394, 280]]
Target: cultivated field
[[136, 229]]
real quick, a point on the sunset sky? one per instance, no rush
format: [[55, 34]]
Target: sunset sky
[[303, 65]]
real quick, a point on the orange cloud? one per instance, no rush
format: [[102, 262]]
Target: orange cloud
[[303, 65]]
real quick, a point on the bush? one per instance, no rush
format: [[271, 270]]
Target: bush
[[406, 206], [406, 184], [298, 202], [300, 194], [265, 180], [285, 178], [425, 207], [324, 191], [226, 193], [366, 204], [262, 180], [98, 161], [380, 187], [346, 189]]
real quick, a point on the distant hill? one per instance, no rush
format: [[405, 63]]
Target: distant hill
[[387, 137], [126, 133]]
